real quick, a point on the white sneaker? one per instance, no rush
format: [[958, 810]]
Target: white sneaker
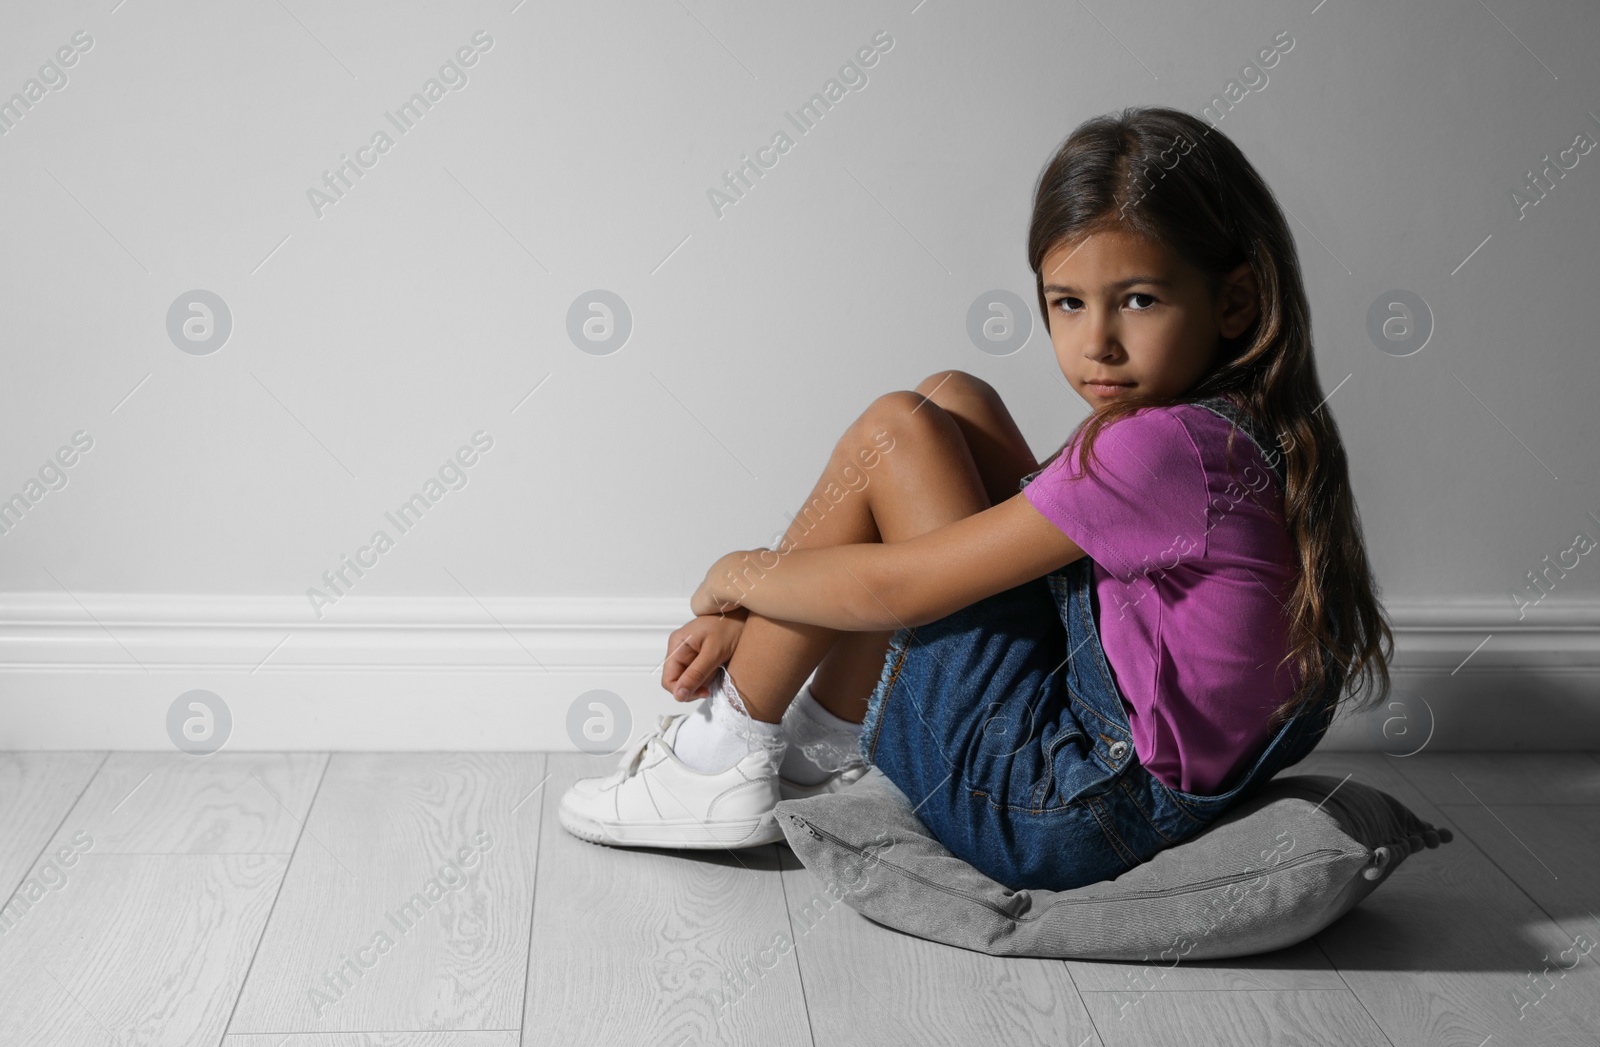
[[653, 799], [833, 783]]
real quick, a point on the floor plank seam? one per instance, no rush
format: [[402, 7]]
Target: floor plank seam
[[1316, 940], [799, 968], [1213, 988], [227, 1026], [1530, 804], [195, 854], [1094, 1026], [44, 847], [533, 902]]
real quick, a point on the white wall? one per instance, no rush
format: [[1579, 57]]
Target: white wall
[[369, 343]]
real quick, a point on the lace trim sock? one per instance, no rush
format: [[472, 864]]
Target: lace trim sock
[[720, 732], [820, 743]]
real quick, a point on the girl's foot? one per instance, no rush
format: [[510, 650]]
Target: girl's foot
[[654, 799], [706, 779], [824, 750], [838, 780]]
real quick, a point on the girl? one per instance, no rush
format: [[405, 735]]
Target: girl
[[1073, 675]]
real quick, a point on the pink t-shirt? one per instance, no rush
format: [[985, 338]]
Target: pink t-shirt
[[1191, 572]]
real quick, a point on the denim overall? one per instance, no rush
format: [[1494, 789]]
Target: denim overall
[[1004, 726]]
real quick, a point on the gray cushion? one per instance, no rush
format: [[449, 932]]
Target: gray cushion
[[1273, 870]]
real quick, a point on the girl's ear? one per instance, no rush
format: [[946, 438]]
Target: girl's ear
[[1238, 301]]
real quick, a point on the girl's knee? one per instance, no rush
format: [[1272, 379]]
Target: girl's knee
[[903, 414], [943, 386]]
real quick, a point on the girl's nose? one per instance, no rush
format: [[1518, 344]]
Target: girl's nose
[[1100, 340]]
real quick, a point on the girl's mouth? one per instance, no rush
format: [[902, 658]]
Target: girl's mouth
[[1105, 390]]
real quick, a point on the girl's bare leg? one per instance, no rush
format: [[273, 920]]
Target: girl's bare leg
[[956, 449], [996, 444]]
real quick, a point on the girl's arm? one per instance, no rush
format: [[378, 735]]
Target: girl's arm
[[878, 586]]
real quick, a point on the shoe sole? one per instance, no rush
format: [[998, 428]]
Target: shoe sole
[[685, 835]]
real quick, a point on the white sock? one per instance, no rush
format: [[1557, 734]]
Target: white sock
[[719, 733], [833, 742]]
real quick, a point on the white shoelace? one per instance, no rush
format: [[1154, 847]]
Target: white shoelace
[[633, 755]]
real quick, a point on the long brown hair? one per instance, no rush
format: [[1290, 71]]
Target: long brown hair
[[1168, 176]]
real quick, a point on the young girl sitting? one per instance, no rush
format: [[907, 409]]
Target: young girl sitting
[[1072, 676]]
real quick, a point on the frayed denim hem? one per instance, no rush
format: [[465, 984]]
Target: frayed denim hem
[[894, 658]]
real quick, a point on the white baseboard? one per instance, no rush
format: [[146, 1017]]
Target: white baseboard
[[100, 671]]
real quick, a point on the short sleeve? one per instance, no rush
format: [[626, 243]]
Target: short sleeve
[[1142, 505]]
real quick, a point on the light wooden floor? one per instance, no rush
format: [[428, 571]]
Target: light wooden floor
[[207, 899]]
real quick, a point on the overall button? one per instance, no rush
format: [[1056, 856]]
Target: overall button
[[1118, 750]]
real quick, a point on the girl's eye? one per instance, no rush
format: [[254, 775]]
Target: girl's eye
[[1064, 301]]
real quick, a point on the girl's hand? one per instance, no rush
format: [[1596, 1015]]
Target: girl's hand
[[716, 594], [696, 649]]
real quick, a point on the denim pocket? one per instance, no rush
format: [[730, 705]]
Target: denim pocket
[[1073, 774], [1070, 734]]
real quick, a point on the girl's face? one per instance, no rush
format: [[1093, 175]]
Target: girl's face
[[1128, 314]]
